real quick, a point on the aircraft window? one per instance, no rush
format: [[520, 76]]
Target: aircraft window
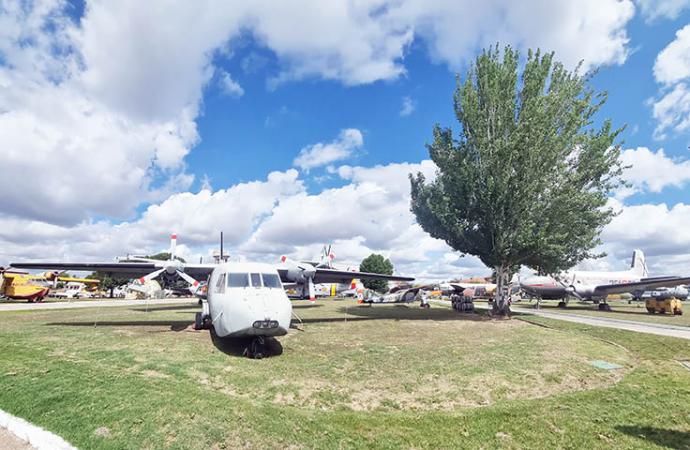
[[238, 280], [256, 280], [271, 280], [220, 284]]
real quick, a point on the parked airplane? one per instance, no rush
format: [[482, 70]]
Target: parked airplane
[[679, 292], [17, 285], [595, 286], [241, 299]]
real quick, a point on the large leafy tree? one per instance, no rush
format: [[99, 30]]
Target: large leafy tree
[[527, 179], [375, 263]]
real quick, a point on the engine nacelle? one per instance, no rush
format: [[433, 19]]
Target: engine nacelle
[[301, 273], [581, 290]]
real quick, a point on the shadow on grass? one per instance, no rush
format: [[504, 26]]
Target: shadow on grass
[[154, 308], [315, 305], [397, 312], [239, 346], [659, 436], [175, 325]]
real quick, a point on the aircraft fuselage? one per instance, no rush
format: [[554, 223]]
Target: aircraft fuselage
[[247, 300]]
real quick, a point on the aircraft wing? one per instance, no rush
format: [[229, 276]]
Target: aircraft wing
[[120, 270], [324, 275], [644, 284]]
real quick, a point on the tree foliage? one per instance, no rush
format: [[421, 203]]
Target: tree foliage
[[375, 263], [164, 256], [527, 180]]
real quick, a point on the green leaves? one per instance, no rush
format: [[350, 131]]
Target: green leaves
[[375, 263], [528, 178]]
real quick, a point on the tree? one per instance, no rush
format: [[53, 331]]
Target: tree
[[164, 256], [527, 180], [107, 282], [376, 264]]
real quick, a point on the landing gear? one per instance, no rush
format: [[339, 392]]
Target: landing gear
[[256, 349], [604, 307], [202, 321], [562, 304]]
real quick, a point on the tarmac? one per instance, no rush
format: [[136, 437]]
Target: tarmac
[[629, 325]]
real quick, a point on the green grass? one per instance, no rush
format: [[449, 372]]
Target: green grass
[[620, 310], [387, 376]]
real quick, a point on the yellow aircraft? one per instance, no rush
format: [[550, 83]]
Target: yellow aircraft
[[17, 285]]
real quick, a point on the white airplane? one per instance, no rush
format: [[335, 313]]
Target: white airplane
[[241, 300], [595, 286]]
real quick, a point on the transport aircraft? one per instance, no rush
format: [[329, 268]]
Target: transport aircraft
[[595, 286], [241, 299], [326, 260]]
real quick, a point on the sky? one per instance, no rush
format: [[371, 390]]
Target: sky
[[289, 125]]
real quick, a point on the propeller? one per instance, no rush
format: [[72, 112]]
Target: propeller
[[569, 288]]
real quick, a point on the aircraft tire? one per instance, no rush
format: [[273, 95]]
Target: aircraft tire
[[562, 304], [256, 348], [198, 322]]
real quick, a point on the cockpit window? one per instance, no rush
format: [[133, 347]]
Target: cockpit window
[[256, 280], [271, 280], [238, 280]]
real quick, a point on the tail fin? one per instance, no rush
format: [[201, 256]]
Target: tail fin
[[638, 265], [173, 245]]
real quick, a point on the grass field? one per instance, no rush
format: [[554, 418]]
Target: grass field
[[387, 376], [619, 310]]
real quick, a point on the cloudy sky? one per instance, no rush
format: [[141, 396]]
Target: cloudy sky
[[292, 124]]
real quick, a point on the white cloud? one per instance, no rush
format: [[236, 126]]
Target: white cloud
[[229, 86], [320, 154], [197, 218], [408, 106], [671, 109], [673, 62], [658, 9], [589, 30], [652, 171], [661, 231]]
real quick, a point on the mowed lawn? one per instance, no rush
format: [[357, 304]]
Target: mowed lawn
[[620, 309], [386, 376]]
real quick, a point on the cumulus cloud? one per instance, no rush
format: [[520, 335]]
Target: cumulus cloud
[[660, 230], [671, 108], [197, 218], [229, 86], [673, 62], [408, 106], [658, 9], [320, 154], [651, 171]]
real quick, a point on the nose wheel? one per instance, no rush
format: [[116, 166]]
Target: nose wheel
[[257, 348]]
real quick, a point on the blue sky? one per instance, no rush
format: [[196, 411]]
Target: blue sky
[[291, 125]]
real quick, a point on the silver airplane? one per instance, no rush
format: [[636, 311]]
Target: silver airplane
[[241, 300], [595, 286]]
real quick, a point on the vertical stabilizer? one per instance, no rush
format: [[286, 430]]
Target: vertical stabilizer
[[638, 265], [173, 245]]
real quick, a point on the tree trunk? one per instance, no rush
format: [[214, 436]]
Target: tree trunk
[[500, 305], [111, 292]]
